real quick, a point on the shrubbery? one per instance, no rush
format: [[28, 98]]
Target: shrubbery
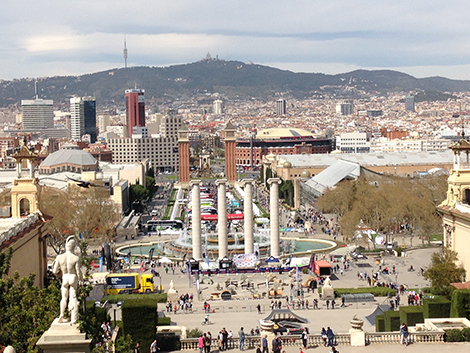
[[411, 315], [460, 303], [376, 291], [392, 321], [139, 318], [457, 335], [157, 297], [436, 307]]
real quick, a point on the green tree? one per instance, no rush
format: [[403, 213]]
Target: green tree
[[443, 269], [150, 185], [26, 310]]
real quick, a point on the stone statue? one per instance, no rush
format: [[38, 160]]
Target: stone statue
[[327, 283], [172, 286], [69, 265]]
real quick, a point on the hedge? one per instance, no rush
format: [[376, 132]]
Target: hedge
[[436, 307], [168, 343], [376, 291], [139, 317], [157, 297], [460, 303], [392, 321], [99, 313], [379, 323], [411, 315], [457, 335], [164, 321]]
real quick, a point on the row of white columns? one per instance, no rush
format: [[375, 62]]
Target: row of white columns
[[222, 217]]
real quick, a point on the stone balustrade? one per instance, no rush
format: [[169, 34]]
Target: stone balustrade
[[315, 340]]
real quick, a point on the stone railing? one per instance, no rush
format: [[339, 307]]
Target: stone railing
[[316, 340], [414, 337], [21, 225]]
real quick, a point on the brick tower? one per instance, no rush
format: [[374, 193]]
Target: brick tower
[[230, 156], [183, 154]]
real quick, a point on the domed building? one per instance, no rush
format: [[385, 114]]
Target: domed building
[[280, 141], [70, 158]]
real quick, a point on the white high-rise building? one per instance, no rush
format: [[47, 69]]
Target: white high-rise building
[[281, 107], [37, 114], [77, 118], [344, 108], [218, 107]]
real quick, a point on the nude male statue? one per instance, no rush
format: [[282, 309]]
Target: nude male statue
[[69, 265]]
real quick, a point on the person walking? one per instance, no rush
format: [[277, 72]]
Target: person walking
[[137, 348], [404, 334], [259, 308], [275, 345], [242, 337], [331, 336], [342, 302], [264, 344], [154, 347]]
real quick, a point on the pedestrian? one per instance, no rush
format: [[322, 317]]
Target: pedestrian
[[224, 339], [333, 304], [153, 347], [404, 334], [264, 343], [200, 343], [324, 336], [258, 349], [259, 308], [331, 336], [242, 337], [342, 301], [327, 303], [137, 348], [275, 345], [304, 337], [207, 343], [219, 342]]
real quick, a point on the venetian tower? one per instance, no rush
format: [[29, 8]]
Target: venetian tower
[[230, 153], [26, 188], [456, 207], [183, 155]]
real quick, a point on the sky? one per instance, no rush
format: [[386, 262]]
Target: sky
[[55, 37]]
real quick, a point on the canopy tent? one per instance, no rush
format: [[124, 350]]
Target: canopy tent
[[164, 260], [271, 259], [378, 311], [346, 250]]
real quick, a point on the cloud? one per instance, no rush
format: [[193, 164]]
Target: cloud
[[38, 38]]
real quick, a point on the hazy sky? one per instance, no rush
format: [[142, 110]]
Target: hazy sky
[[57, 37]]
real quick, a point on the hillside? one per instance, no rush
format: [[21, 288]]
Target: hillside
[[233, 79]]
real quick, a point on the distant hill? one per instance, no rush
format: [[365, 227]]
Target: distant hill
[[232, 79]]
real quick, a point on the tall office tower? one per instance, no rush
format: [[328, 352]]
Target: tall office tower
[[281, 107], [135, 108], [83, 118], [344, 108], [37, 114], [218, 107], [410, 103], [77, 118], [89, 109]]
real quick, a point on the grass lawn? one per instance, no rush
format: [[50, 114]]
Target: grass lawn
[[437, 237]]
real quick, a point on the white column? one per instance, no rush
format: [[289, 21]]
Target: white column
[[31, 168], [248, 211], [196, 219], [274, 215], [18, 168], [222, 216]]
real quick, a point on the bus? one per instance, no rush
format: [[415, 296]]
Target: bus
[[159, 224]]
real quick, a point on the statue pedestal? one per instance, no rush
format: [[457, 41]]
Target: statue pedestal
[[64, 337], [328, 293], [358, 338], [267, 329]]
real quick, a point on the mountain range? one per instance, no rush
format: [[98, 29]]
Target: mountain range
[[231, 79]]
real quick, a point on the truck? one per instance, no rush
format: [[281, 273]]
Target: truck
[[322, 268], [127, 283]]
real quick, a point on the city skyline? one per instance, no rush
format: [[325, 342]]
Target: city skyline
[[422, 38]]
